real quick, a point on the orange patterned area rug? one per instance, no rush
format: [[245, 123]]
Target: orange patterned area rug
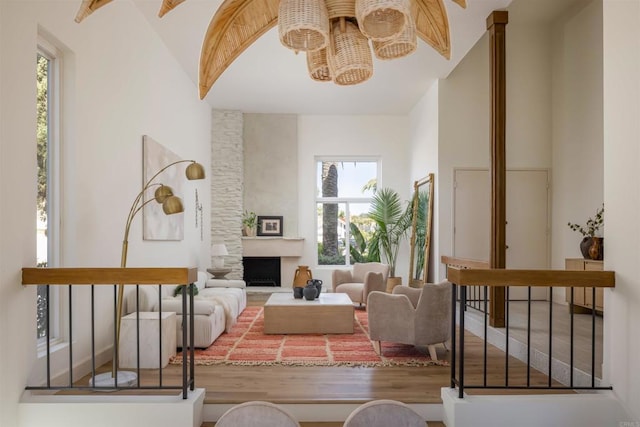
[[246, 344]]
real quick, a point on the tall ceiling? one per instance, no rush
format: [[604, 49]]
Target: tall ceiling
[[269, 78]]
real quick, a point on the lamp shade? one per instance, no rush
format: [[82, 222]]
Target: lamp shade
[[318, 66], [162, 193], [219, 249], [194, 171], [403, 45], [303, 24], [172, 205], [382, 20], [349, 55]]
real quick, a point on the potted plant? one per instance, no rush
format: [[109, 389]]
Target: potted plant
[[392, 223], [592, 245], [249, 223]]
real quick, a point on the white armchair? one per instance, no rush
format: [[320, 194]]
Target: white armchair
[[365, 278], [420, 317]]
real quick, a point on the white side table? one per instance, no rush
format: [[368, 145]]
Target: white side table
[[149, 339]]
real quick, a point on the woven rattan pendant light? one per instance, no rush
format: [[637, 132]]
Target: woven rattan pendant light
[[303, 25], [318, 65], [403, 45], [382, 20], [349, 55]]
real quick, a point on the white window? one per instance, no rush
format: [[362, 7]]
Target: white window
[[345, 187], [48, 61]]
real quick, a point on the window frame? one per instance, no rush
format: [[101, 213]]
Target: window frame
[[347, 201], [54, 55]]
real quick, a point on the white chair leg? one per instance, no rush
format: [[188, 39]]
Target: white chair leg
[[432, 352]]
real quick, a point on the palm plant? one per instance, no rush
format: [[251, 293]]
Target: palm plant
[[361, 249], [392, 222]]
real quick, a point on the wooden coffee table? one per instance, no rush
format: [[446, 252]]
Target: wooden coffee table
[[329, 314]]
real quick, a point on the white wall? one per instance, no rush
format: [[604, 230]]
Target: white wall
[[383, 136], [621, 30], [577, 126], [424, 159], [463, 128], [121, 83], [464, 115]]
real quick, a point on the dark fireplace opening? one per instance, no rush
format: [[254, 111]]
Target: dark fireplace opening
[[261, 271]]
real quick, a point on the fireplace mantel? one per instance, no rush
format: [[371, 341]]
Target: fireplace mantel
[[272, 246]]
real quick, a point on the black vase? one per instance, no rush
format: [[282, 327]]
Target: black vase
[[592, 248], [318, 284], [298, 292], [310, 292]]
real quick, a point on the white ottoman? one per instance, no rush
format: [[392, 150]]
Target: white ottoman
[[149, 340], [208, 321]]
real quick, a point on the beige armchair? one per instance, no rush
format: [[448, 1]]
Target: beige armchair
[[365, 277], [420, 317]]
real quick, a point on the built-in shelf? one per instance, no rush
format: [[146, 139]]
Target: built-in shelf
[[272, 246]]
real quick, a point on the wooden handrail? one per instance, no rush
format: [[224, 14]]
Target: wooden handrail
[[463, 262], [549, 278], [109, 276]]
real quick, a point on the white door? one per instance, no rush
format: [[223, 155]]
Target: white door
[[527, 220]]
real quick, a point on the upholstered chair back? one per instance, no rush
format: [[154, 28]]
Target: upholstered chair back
[[257, 414], [361, 269], [433, 314], [384, 413]]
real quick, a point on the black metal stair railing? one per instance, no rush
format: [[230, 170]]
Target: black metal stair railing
[[74, 279], [462, 279]]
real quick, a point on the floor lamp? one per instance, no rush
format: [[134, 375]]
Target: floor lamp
[[171, 204]]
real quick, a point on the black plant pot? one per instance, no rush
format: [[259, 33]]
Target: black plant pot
[[592, 248]]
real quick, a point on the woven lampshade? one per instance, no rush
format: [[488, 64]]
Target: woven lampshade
[[349, 55], [303, 25], [341, 8], [382, 20], [403, 45], [318, 66]]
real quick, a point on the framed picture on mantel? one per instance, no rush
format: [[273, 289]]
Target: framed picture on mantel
[[269, 226]]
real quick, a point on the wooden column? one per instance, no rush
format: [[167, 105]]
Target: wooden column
[[496, 25]]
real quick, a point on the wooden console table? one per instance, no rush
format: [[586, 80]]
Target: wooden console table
[[583, 297]]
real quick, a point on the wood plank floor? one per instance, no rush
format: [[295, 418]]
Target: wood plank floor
[[561, 333], [295, 384]]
